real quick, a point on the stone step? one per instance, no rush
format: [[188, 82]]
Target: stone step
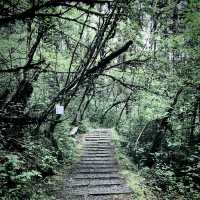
[[70, 197], [97, 138], [93, 182], [97, 170], [98, 147], [99, 190], [109, 197], [97, 159], [100, 155], [94, 176], [101, 197], [97, 156], [98, 152], [99, 135], [83, 187], [104, 142], [112, 162], [97, 166], [97, 143]]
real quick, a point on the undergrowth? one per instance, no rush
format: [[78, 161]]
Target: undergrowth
[[35, 172], [131, 173], [158, 182]]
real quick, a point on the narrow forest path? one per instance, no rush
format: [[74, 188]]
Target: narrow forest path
[[96, 175]]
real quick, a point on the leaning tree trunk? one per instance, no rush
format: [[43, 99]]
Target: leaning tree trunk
[[164, 125], [193, 121]]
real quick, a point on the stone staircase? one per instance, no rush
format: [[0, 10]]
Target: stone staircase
[[95, 176]]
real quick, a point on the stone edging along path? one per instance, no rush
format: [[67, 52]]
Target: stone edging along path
[[96, 175]]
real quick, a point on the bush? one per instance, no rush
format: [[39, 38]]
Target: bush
[[65, 142], [16, 179]]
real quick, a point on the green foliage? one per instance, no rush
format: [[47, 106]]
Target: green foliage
[[130, 171], [66, 143], [135, 92], [84, 126], [165, 181], [16, 179], [20, 173]]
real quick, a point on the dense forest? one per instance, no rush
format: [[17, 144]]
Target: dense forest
[[130, 65]]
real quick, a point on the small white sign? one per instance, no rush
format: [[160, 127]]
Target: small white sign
[[59, 109]]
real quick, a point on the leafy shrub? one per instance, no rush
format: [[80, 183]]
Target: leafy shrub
[[44, 157], [84, 126], [66, 143], [16, 179], [67, 146]]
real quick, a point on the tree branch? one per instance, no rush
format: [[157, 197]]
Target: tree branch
[[102, 64], [25, 68], [32, 12], [127, 85]]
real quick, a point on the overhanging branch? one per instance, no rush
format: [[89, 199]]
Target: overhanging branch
[[102, 64], [32, 12], [25, 68]]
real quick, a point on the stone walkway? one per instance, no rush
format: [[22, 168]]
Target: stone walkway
[[95, 176]]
